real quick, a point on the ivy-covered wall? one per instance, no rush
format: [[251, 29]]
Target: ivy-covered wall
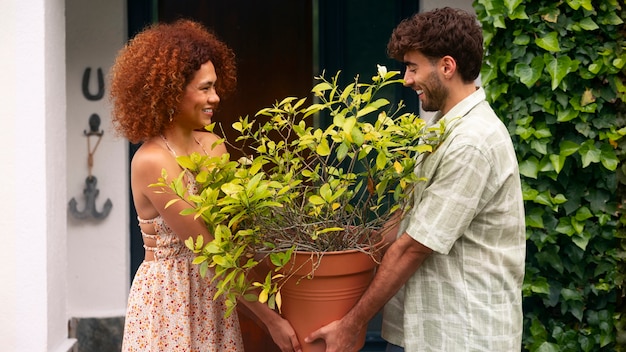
[[554, 72]]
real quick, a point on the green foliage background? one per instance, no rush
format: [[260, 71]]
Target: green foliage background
[[554, 72]]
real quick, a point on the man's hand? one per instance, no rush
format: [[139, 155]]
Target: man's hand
[[339, 336]]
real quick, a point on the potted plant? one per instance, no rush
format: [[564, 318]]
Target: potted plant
[[305, 189]]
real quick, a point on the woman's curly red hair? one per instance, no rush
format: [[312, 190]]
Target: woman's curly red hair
[[150, 73]]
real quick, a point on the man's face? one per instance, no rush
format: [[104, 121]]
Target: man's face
[[422, 75]]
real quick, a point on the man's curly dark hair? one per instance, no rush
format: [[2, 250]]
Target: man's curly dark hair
[[148, 78], [441, 32]]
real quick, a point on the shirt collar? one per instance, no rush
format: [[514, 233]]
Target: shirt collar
[[462, 108]]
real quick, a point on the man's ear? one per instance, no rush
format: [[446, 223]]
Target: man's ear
[[448, 66]]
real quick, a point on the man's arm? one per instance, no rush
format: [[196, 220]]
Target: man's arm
[[402, 259]]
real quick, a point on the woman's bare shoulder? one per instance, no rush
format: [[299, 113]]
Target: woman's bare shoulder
[[211, 142], [150, 159]]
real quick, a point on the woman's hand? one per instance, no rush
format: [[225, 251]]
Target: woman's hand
[[284, 335], [277, 327]]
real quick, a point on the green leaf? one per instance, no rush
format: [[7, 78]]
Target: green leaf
[[559, 67], [342, 151], [199, 259], [588, 24], [529, 167], [529, 74], [535, 218], [608, 158], [567, 113], [549, 42], [583, 213], [612, 19], [321, 87], [381, 161], [316, 200], [589, 153], [373, 106], [548, 347], [511, 5], [323, 149], [582, 239], [557, 162], [231, 188], [567, 148], [565, 226], [540, 285]]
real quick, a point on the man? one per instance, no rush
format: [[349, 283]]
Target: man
[[452, 279]]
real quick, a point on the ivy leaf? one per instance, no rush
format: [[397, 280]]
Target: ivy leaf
[[540, 285], [583, 213], [557, 162], [535, 218], [568, 148], [552, 15], [529, 74], [582, 240], [587, 97], [613, 19], [608, 158], [548, 347], [559, 67], [519, 13], [549, 42], [589, 153], [566, 114], [529, 167], [565, 227], [576, 4], [588, 24], [511, 5]]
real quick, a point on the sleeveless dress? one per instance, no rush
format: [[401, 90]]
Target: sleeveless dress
[[170, 306]]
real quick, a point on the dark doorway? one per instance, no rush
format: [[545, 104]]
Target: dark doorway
[[273, 43], [280, 46]]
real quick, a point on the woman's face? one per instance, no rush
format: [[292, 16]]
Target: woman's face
[[200, 99]]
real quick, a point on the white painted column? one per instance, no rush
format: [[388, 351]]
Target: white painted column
[[33, 250], [98, 250]]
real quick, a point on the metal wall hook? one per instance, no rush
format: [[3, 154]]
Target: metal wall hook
[[86, 92], [91, 193], [94, 126]]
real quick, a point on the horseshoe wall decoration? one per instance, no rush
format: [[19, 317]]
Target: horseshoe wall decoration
[[86, 92]]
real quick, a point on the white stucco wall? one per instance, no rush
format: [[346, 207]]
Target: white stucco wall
[[426, 5], [98, 250], [53, 267], [32, 159]]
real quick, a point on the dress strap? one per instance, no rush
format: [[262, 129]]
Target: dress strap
[[172, 149], [152, 237], [146, 221]]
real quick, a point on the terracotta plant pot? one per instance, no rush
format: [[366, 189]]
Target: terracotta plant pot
[[339, 280]]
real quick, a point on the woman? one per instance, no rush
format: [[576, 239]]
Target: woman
[[164, 88]]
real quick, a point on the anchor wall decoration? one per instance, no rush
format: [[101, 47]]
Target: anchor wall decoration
[[91, 192]]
